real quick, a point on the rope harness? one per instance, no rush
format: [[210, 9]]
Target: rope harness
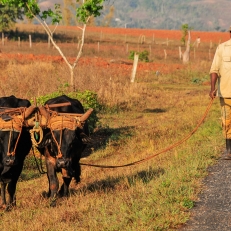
[[55, 121], [60, 122]]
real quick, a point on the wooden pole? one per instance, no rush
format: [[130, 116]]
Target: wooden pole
[[180, 52], [19, 42], [49, 42], [3, 40], [165, 54], [134, 68], [30, 41]]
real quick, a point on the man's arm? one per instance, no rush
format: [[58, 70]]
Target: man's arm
[[213, 79]]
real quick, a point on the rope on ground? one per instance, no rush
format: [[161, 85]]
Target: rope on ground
[[160, 152]]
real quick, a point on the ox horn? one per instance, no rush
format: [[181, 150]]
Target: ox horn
[[29, 111], [86, 115], [58, 105]]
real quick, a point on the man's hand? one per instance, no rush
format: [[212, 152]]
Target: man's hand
[[213, 77], [212, 94]]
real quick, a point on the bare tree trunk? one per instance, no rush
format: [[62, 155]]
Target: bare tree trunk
[[72, 78], [187, 51]]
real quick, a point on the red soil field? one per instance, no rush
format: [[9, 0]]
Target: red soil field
[[206, 37], [170, 34], [123, 68]]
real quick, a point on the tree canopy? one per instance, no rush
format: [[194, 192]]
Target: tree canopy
[[9, 16], [84, 11]]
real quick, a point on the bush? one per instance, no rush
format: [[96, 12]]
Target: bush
[[143, 56], [88, 99]]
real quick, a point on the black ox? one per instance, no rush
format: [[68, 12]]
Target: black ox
[[63, 144], [15, 144]]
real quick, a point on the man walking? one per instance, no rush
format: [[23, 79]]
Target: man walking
[[221, 72]]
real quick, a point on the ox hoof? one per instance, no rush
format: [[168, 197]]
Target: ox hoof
[[53, 203], [45, 194], [3, 207], [8, 208]]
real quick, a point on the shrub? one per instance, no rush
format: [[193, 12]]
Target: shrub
[[143, 55]]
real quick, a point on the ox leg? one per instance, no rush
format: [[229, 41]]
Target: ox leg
[[77, 173], [3, 195], [11, 192], [11, 188], [64, 190], [52, 179]]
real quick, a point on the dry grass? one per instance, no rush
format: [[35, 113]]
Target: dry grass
[[152, 114]]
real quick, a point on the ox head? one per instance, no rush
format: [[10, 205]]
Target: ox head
[[8, 142], [68, 137], [12, 115]]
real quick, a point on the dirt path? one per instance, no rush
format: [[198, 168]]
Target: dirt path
[[212, 212]]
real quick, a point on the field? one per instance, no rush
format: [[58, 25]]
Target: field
[[137, 120]]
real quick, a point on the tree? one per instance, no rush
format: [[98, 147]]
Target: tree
[[8, 16], [185, 28], [186, 54], [85, 9]]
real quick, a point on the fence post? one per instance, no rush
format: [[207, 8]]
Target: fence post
[[3, 42], [165, 54], [180, 52], [211, 44], [134, 68], [30, 41], [49, 42], [19, 42], [101, 35]]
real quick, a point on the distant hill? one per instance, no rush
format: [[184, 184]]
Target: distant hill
[[201, 15]]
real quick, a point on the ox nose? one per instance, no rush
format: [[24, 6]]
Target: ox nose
[[62, 163], [9, 160]]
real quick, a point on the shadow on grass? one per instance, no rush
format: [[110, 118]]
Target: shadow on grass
[[123, 181], [103, 136], [155, 110]]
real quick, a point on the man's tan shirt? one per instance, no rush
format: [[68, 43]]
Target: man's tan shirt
[[222, 66]]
